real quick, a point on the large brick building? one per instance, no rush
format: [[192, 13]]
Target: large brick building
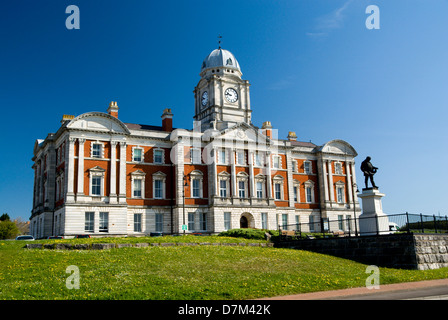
[[102, 176]]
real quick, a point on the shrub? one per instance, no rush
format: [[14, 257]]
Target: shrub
[[257, 234]]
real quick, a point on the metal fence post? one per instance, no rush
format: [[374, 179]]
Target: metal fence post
[[407, 221], [421, 223], [435, 223]]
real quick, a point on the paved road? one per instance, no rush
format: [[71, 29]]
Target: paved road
[[421, 290]]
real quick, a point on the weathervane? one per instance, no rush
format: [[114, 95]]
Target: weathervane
[[219, 41]]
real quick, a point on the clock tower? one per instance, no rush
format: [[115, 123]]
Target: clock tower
[[222, 97]]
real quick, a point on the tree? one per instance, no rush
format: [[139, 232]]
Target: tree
[[8, 230], [5, 217]]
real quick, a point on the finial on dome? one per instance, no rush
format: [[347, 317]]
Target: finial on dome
[[219, 41]]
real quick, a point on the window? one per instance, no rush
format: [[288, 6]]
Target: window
[[195, 188], [227, 221], [340, 194], [338, 168], [311, 223], [191, 221], [138, 184], [242, 189], [137, 154], [137, 222], [97, 150], [158, 191], [259, 159], [284, 221], [223, 188], [297, 218], [309, 194], [294, 166], [159, 222], [307, 167], [104, 222], [259, 189], [137, 188], [240, 158], [278, 191], [96, 181], [196, 178], [341, 222], [89, 222], [264, 220], [159, 179], [195, 156], [222, 156], [276, 162], [158, 156], [296, 198], [96, 185], [203, 221]]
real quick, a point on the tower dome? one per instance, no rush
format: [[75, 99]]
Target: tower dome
[[221, 58]]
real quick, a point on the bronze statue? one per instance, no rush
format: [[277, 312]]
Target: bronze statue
[[369, 170]]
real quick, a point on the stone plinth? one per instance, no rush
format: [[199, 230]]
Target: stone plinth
[[372, 220]]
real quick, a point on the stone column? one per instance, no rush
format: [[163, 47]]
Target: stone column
[[233, 173], [113, 172], [268, 175], [70, 170], [349, 182], [80, 191], [352, 165], [290, 179], [325, 180], [330, 180], [122, 188], [250, 159]]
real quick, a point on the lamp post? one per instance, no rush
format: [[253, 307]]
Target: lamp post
[[185, 184], [354, 185]]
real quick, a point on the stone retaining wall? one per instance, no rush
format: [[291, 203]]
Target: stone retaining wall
[[404, 251], [102, 246]]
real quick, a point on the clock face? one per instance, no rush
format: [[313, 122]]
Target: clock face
[[204, 99], [231, 95]]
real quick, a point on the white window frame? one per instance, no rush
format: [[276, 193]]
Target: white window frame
[[158, 222], [138, 222], [294, 166], [195, 156], [340, 192], [276, 164], [309, 185], [96, 172], [222, 156], [159, 176], [260, 179], [227, 220], [198, 176], [138, 175], [310, 167], [264, 220], [338, 168], [259, 159], [278, 180], [241, 180], [101, 151], [224, 177], [240, 158], [103, 222], [142, 155], [156, 150], [191, 221], [203, 221], [89, 221]]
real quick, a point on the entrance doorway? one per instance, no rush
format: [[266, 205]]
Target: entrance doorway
[[247, 221], [243, 222]]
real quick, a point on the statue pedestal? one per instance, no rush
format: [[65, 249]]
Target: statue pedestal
[[373, 220]]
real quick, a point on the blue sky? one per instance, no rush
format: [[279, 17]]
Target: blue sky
[[313, 65]]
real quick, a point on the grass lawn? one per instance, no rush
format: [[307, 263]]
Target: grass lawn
[[179, 272]]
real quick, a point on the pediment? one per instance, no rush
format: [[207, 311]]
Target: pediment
[[98, 121], [339, 147], [243, 132]]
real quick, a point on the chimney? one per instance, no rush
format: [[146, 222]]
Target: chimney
[[113, 109], [292, 136], [167, 120], [266, 129], [67, 117]]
